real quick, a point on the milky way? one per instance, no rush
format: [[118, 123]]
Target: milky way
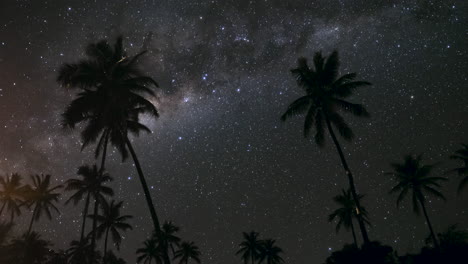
[[219, 160]]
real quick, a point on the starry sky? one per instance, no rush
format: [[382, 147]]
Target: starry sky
[[219, 160]]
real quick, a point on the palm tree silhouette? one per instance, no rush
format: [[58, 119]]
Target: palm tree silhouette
[[110, 103], [462, 155], [149, 252], [111, 222], [250, 247], [269, 252], [5, 231], [346, 212], [29, 248], [187, 250], [11, 195], [414, 177], [325, 94], [167, 238], [42, 196], [92, 185], [79, 252]]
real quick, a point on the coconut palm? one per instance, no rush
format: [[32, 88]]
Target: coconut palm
[[167, 238], [79, 252], [92, 186], [30, 248], [324, 97], [187, 250], [250, 247], [110, 103], [42, 196], [5, 231], [270, 253], [111, 222], [11, 195], [347, 212], [149, 252], [461, 155], [412, 176]]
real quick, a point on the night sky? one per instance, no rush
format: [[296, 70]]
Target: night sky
[[219, 160]]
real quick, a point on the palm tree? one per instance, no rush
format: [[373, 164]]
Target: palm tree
[[250, 247], [111, 221], [27, 249], [324, 96], [149, 252], [462, 155], [110, 103], [167, 238], [79, 252], [346, 212], [414, 177], [269, 252], [5, 231], [187, 250], [42, 196], [11, 195], [91, 186]]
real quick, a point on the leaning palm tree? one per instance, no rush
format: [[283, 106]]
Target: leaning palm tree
[[42, 196], [461, 155], [270, 253], [92, 186], [149, 252], [187, 250], [11, 195], [111, 222], [110, 103], [347, 212], [324, 96], [250, 247], [414, 177]]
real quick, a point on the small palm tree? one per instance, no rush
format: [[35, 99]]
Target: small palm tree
[[414, 177], [250, 247], [149, 252], [324, 96], [42, 196], [79, 252], [167, 238], [29, 248], [187, 250], [11, 195], [270, 253], [92, 186], [347, 212], [111, 222], [461, 155], [5, 231]]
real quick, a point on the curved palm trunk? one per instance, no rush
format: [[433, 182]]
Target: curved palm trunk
[[105, 246], [85, 213], [149, 201], [362, 227], [434, 238], [354, 234], [32, 220]]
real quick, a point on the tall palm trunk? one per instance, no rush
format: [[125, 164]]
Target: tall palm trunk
[[434, 238], [96, 200], [32, 220], [105, 246], [149, 201], [354, 234], [362, 227], [85, 213]]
